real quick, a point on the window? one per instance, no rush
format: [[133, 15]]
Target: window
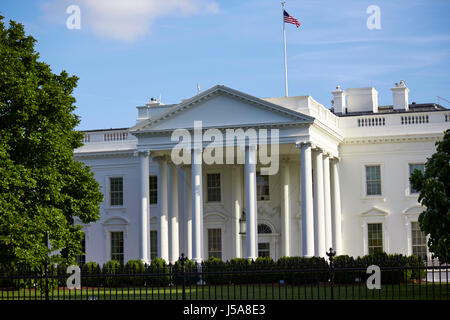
[[373, 181], [213, 186], [412, 167], [264, 228], [262, 187], [215, 243], [375, 234], [153, 184], [419, 241], [264, 249], [153, 244], [81, 258], [117, 246], [116, 191]]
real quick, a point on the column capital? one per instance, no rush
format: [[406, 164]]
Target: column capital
[[284, 160], [302, 145], [145, 153]]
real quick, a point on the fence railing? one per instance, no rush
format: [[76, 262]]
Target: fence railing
[[185, 280]]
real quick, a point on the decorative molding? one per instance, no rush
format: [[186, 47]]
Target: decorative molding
[[390, 139]]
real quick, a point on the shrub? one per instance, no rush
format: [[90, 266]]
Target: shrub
[[417, 271], [111, 270], [215, 271], [345, 276], [301, 270], [88, 272], [135, 269], [262, 264], [158, 273], [191, 273], [239, 264]]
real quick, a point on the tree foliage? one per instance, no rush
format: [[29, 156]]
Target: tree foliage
[[42, 187], [434, 187]]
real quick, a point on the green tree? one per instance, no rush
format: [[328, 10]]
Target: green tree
[[434, 188], [42, 187]]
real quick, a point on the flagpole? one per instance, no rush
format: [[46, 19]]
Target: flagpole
[[285, 60]]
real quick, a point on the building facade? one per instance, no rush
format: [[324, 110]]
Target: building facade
[[227, 174]]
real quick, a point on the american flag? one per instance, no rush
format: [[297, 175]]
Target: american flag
[[290, 19]]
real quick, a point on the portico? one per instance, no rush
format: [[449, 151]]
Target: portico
[[305, 170]]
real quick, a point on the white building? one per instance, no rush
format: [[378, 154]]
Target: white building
[[342, 180]]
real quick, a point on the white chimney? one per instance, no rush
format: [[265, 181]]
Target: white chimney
[[400, 96], [147, 111], [362, 100], [339, 100]]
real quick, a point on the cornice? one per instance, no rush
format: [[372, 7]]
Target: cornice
[[391, 139]]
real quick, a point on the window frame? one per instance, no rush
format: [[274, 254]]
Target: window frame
[[409, 186], [369, 247], [364, 194], [219, 241], [155, 190], [123, 246], [219, 174], [266, 197]]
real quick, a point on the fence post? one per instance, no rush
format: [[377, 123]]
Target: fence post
[[46, 279], [331, 253], [183, 272]]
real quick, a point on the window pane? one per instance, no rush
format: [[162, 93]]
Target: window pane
[[215, 243], [213, 187], [264, 249], [419, 241], [153, 244], [412, 167], [117, 246], [373, 180], [153, 185], [375, 235], [116, 191], [262, 187]]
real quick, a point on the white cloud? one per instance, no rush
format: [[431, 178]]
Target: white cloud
[[127, 20]]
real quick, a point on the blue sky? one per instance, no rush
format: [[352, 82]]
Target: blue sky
[[129, 51]]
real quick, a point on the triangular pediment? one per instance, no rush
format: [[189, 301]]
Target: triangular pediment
[[221, 107], [374, 211]]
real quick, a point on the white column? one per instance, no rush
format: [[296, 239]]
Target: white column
[[327, 195], [163, 226], [319, 211], [251, 210], [307, 200], [144, 207], [237, 210], [336, 207], [197, 206], [174, 215], [188, 211], [285, 210]]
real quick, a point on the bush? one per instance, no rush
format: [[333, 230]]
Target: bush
[[262, 264], [158, 273], [88, 272], [301, 270], [135, 269], [239, 264], [345, 276], [111, 270], [215, 271], [191, 273], [417, 271]]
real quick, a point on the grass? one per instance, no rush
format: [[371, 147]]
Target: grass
[[274, 291]]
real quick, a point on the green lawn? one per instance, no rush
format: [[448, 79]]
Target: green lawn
[[242, 292]]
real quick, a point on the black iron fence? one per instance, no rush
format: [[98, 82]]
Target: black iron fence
[[240, 279]]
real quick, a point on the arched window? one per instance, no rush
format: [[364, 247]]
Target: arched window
[[264, 228]]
